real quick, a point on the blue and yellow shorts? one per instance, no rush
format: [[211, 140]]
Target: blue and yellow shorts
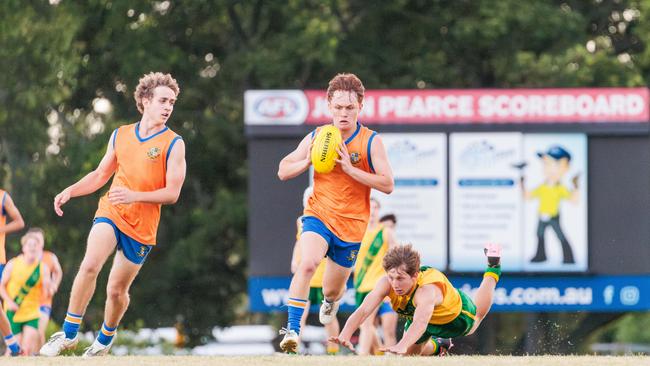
[[133, 251], [341, 252]]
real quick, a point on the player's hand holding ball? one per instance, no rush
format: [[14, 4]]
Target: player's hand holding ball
[[344, 158]]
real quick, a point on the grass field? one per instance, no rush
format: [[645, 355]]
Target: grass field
[[335, 361]]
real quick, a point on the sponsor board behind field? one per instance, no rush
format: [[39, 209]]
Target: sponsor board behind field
[[579, 105]]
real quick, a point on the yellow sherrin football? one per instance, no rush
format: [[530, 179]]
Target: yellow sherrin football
[[323, 152]]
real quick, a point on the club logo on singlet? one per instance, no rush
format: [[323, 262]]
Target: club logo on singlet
[[153, 153], [355, 158]]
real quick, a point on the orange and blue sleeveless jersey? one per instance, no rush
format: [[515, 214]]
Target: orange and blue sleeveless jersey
[[3, 222], [443, 313], [141, 167], [339, 201]]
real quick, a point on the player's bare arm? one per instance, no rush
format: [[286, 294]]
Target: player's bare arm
[[6, 273], [297, 162], [174, 178], [17, 221], [389, 235], [92, 181], [425, 300], [56, 275], [382, 180], [46, 280], [296, 250], [368, 306]]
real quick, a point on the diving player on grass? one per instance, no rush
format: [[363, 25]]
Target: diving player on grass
[[435, 310], [336, 215]]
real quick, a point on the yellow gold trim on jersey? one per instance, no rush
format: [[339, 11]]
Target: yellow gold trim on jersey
[[472, 316]]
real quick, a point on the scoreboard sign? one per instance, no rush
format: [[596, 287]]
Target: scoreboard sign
[[612, 105]]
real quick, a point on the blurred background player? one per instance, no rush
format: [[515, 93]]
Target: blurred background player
[[56, 275], [148, 160], [25, 281], [368, 270], [387, 316], [315, 285], [434, 309], [336, 215]]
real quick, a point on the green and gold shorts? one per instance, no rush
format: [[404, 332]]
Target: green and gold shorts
[[17, 327], [455, 328], [316, 296]]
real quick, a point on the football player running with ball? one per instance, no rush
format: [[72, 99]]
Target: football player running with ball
[[337, 212]]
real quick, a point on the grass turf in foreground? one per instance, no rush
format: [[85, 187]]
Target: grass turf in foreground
[[335, 361]]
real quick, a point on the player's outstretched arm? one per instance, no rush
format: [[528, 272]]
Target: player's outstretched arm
[[6, 274], [17, 221], [389, 234], [56, 273], [91, 182], [298, 161], [382, 180], [295, 251], [46, 280], [369, 304], [425, 300], [176, 169]]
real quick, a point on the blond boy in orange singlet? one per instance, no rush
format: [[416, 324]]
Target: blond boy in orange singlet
[[148, 160]]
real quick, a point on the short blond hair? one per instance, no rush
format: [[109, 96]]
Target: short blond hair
[[151, 81]]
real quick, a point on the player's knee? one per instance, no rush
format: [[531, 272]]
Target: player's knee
[[117, 293], [307, 268], [332, 293], [89, 268]]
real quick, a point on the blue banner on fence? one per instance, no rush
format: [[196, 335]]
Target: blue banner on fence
[[569, 293]]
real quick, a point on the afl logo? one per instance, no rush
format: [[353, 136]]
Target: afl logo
[[276, 107]]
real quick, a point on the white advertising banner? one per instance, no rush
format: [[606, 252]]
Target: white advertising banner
[[419, 200], [555, 214], [485, 199]]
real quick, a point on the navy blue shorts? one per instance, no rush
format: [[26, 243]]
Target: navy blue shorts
[[341, 252], [133, 251]]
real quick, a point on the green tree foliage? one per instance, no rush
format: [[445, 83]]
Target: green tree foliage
[[59, 59]]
